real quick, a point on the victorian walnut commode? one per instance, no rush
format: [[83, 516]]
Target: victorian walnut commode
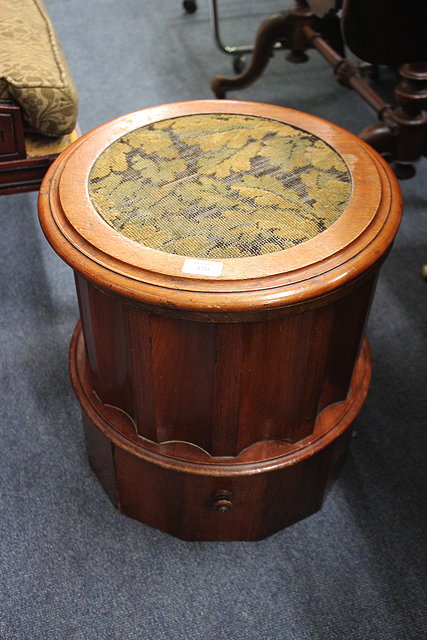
[[225, 256]]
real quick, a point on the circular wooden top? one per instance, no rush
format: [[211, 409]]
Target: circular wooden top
[[220, 206]]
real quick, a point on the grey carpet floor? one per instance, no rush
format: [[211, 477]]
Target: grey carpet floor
[[72, 568]]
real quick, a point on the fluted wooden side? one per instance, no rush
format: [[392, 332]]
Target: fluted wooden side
[[222, 386]]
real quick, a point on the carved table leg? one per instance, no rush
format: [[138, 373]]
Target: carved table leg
[[288, 29], [411, 116], [406, 142], [272, 30]]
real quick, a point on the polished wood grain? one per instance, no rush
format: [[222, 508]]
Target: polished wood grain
[[173, 486], [242, 382], [220, 408]]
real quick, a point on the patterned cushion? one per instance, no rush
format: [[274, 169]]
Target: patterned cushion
[[33, 70]]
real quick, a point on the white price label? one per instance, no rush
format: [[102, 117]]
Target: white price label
[[202, 267]]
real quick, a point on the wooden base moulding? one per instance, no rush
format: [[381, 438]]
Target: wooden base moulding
[[217, 399]]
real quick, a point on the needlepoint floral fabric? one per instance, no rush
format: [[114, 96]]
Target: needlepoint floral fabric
[[219, 186]]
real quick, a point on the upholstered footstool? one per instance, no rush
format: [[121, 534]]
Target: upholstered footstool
[[38, 100], [225, 257]]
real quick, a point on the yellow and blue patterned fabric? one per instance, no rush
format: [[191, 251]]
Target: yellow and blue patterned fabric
[[219, 185]]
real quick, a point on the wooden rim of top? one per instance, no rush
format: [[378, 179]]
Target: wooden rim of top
[[331, 259]]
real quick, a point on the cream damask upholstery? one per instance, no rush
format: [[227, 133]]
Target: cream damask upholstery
[[33, 70]]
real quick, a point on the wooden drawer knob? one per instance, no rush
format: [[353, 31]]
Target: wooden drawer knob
[[222, 501]]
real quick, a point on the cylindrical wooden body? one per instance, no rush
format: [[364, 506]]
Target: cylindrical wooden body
[[217, 394]]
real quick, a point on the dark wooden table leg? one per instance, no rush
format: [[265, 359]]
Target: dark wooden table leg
[[271, 30], [407, 141], [288, 29], [411, 116]]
